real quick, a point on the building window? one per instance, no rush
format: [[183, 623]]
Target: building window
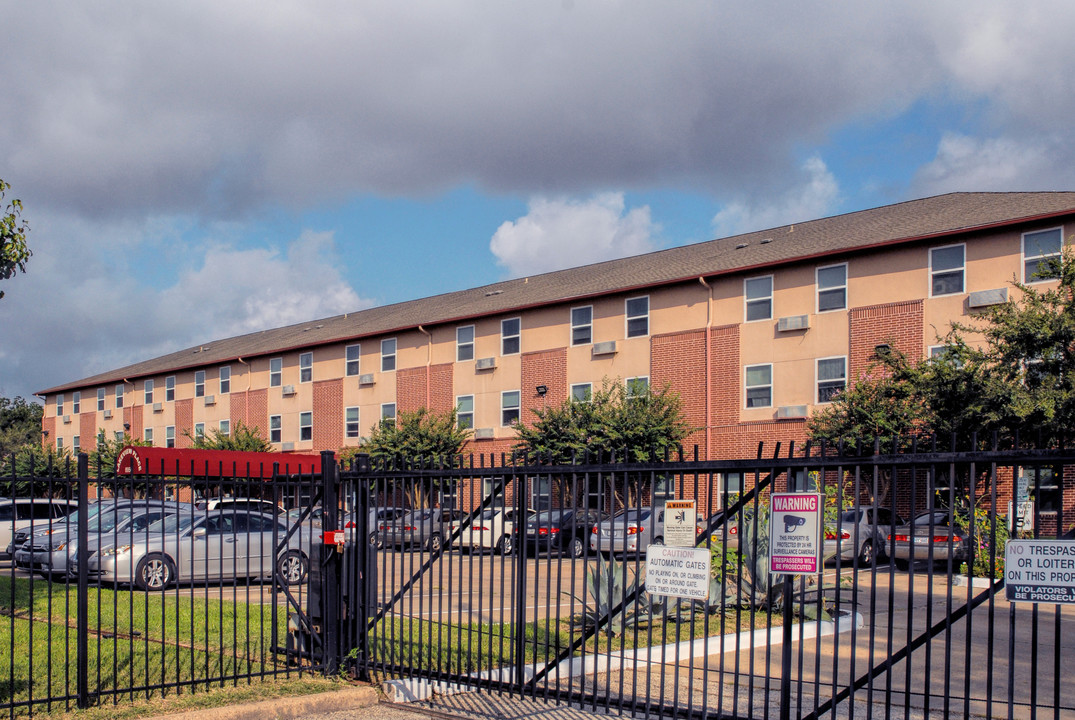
[[637, 310], [169, 436], [225, 379], [75, 444], [637, 387], [1039, 248], [490, 486], [464, 411], [100, 399], [510, 331], [59, 446], [831, 378], [76, 402], [169, 388], [148, 435], [541, 493], [759, 386], [199, 383], [199, 431], [581, 392], [100, 438], [582, 325], [306, 367], [388, 413], [276, 371], [59, 405], [350, 422], [509, 407], [225, 427], [464, 343], [276, 428], [148, 392], [351, 355], [946, 270], [664, 489], [831, 288], [759, 298], [119, 435], [388, 355], [119, 396]]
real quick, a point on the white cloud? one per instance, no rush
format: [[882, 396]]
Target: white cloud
[[973, 164], [815, 197], [561, 233]]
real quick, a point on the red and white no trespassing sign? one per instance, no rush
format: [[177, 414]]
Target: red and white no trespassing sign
[[795, 522]]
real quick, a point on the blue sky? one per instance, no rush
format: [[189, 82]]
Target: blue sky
[[196, 171]]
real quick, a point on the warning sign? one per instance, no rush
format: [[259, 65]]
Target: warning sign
[[680, 529], [1040, 571], [795, 533], [677, 572]]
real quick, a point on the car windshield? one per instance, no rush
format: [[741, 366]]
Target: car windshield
[[420, 514], [172, 524], [934, 518], [489, 514], [108, 521], [633, 515], [851, 516], [550, 516]]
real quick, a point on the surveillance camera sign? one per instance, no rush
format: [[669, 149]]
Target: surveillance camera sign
[[795, 524]]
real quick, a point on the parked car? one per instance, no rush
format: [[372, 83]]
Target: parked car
[[715, 527], [931, 535], [375, 518], [861, 534], [493, 529], [48, 551], [426, 528], [200, 546], [629, 531], [26, 513], [240, 503], [565, 530]]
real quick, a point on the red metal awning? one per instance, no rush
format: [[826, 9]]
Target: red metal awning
[[136, 460]]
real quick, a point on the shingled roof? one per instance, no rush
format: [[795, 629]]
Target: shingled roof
[[911, 221]]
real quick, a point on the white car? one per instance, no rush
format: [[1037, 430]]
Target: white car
[[23, 513], [494, 529]]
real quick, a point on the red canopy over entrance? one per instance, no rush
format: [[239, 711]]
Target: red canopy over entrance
[[135, 460]]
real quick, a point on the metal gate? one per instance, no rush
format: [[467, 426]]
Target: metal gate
[[494, 576]]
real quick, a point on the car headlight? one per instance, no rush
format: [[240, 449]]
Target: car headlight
[[119, 550]]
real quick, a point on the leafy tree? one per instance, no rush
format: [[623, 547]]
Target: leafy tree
[[242, 437], [102, 463], [20, 424], [32, 470], [418, 437], [14, 253], [638, 426]]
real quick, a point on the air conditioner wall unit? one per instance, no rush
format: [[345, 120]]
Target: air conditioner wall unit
[[210, 400], [485, 363], [158, 407], [985, 298], [289, 390], [786, 412], [108, 414], [483, 434], [793, 322], [604, 348], [67, 419], [366, 379], [284, 447]]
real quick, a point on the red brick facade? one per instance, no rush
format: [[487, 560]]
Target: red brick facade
[[899, 325], [678, 360], [257, 411], [238, 409], [133, 416], [328, 414], [724, 380], [412, 389], [87, 430], [184, 423], [548, 368]]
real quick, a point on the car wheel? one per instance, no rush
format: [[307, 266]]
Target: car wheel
[[375, 540], [504, 547], [902, 564], [154, 572], [434, 544], [576, 548], [658, 541], [292, 567], [866, 554]]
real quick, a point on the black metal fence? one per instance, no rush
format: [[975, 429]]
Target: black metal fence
[[115, 589], [908, 618]]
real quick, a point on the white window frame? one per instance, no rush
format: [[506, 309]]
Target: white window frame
[[818, 381], [224, 428], [352, 358], [306, 367], [464, 411], [1029, 279], [147, 435], [352, 428], [830, 289], [59, 404], [587, 326], [76, 445], [147, 392], [59, 446], [199, 383], [747, 387], [276, 429], [225, 379], [388, 412], [629, 317], [199, 430], [100, 399], [388, 354], [962, 270], [119, 396], [507, 409], [276, 372], [631, 385], [306, 425], [506, 336], [169, 388], [76, 402], [169, 436], [582, 392], [749, 301], [464, 347]]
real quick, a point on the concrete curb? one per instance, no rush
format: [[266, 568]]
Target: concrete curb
[[286, 708]]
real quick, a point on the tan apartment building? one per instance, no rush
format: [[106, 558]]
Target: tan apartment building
[[755, 332]]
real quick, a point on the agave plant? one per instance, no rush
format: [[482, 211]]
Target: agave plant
[[610, 586]]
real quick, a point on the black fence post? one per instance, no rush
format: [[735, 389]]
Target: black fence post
[[330, 561], [83, 619]]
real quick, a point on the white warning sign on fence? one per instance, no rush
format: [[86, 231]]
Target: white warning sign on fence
[[1040, 571], [677, 572]]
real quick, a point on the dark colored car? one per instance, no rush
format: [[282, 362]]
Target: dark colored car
[[931, 536], [566, 530]]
